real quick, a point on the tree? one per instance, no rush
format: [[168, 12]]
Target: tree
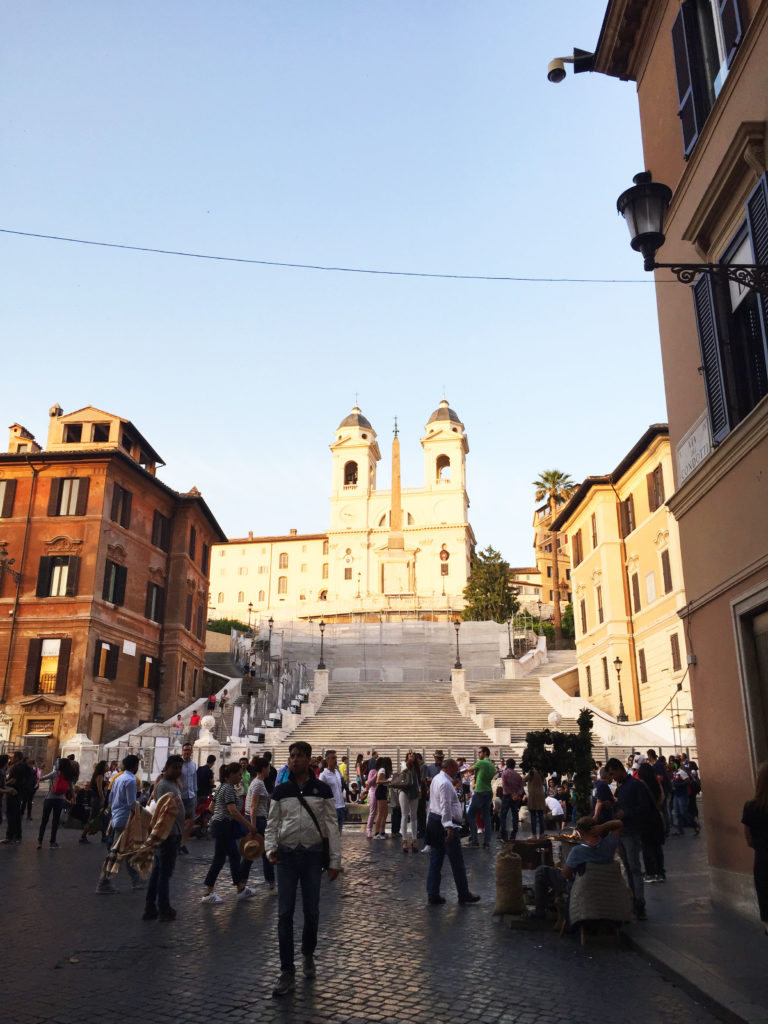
[[488, 595], [226, 626], [556, 487], [569, 630]]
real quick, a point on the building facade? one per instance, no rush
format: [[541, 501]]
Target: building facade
[[701, 70], [628, 586], [103, 583], [547, 545], [387, 552]]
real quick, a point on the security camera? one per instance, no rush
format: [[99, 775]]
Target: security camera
[[556, 70]]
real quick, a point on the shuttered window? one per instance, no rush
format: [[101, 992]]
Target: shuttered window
[[655, 483], [627, 514], [666, 571], [57, 576], [147, 672], [733, 328], [594, 530], [105, 660], [47, 665], [674, 643], [7, 494], [636, 592], [583, 605], [606, 677], [115, 577], [161, 531], [68, 496], [188, 613], [121, 506], [589, 681], [599, 595], [578, 549], [154, 607], [642, 666], [192, 542]]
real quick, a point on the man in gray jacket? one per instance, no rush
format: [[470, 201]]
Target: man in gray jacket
[[302, 814]]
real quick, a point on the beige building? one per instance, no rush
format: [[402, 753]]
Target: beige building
[[545, 545], [401, 551], [628, 587]]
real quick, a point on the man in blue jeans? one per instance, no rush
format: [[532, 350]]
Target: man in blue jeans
[[301, 815], [482, 800]]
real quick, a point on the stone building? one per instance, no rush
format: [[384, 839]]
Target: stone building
[[103, 583], [701, 71], [387, 552], [627, 581]]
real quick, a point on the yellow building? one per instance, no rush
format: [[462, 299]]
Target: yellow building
[[627, 583], [402, 551]]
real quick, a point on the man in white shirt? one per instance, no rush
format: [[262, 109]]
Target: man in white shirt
[[335, 780], [443, 826]]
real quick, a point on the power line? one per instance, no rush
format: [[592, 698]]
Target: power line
[[332, 269]]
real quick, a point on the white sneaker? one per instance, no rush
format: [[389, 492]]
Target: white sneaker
[[212, 897], [246, 893], [426, 849]]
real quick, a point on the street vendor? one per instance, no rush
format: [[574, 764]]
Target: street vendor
[[598, 845]]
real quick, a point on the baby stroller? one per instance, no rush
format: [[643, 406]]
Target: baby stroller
[[201, 820]]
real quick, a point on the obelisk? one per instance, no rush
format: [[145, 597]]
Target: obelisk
[[396, 513]]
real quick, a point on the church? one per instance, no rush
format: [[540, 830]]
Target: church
[[388, 554]]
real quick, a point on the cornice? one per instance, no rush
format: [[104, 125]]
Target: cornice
[[621, 37]]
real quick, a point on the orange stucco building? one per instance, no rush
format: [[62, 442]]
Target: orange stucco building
[[103, 584], [701, 69]]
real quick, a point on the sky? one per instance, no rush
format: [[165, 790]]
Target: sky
[[399, 135]]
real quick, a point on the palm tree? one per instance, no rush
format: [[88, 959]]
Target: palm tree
[[556, 487]]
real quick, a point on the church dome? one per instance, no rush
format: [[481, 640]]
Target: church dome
[[356, 419], [443, 412]]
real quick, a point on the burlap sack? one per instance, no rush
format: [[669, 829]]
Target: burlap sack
[[509, 883]]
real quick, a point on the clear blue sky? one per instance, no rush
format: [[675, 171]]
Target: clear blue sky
[[397, 134]]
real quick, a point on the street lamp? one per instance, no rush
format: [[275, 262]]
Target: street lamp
[[621, 717], [643, 206], [6, 563], [510, 652], [321, 627], [457, 627], [250, 612], [540, 628]]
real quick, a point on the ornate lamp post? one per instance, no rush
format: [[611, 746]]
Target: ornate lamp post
[[321, 627], [250, 612], [541, 631], [621, 717], [643, 206], [510, 652], [6, 563], [457, 627]]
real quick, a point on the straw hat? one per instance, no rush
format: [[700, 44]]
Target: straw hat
[[251, 847]]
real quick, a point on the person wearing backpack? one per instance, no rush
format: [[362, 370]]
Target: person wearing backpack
[[61, 780]]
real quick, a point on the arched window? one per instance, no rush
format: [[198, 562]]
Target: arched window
[[350, 474], [220, 598], [325, 547], [283, 560], [242, 571], [323, 595], [240, 597], [282, 584], [443, 468], [261, 595]]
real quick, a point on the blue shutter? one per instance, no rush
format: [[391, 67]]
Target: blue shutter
[[730, 19], [709, 341], [691, 110]]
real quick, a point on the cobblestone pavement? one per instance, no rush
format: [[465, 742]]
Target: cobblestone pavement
[[71, 957]]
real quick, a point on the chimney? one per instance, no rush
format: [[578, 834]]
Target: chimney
[[293, 531]]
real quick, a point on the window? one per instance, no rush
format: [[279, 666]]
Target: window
[[261, 595], [599, 596], [205, 559], [68, 496], [325, 547], [666, 571], [100, 433], [199, 629], [606, 677], [443, 469], [627, 516], [594, 530], [655, 482], [115, 577], [73, 433], [47, 665], [733, 327], [549, 572], [650, 587], [674, 643], [188, 613], [154, 608], [348, 574], [641, 663], [282, 584], [243, 570], [192, 543], [323, 595], [222, 552], [583, 605], [147, 672], [105, 660], [324, 573], [241, 597], [304, 567], [7, 494], [578, 551], [636, 592], [161, 531], [705, 37], [121, 506], [263, 570], [57, 576], [350, 474], [194, 681], [282, 562], [183, 677], [551, 595], [220, 597], [589, 681]]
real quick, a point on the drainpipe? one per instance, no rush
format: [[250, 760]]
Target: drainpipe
[[18, 582], [628, 609]]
